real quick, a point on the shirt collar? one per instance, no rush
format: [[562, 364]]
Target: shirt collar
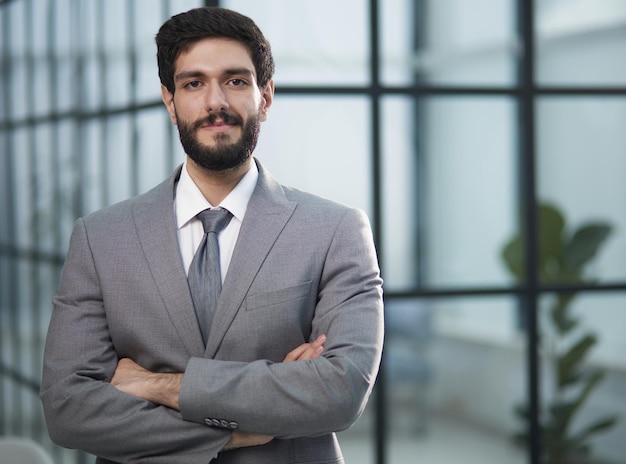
[[190, 200]]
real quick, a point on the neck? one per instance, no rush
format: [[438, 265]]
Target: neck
[[216, 185]]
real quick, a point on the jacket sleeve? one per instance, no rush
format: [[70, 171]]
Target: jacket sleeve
[[314, 397], [82, 409]]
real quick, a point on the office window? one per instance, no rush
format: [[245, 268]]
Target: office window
[[453, 124], [581, 158], [580, 42]]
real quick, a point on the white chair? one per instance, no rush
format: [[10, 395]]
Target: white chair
[[18, 450]]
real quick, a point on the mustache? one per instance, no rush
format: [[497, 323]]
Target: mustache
[[225, 116]]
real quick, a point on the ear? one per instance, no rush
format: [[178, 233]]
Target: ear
[[267, 98], [168, 101]]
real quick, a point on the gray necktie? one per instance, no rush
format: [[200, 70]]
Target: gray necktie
[[205, 281]]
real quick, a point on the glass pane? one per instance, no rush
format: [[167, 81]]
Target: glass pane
[[67, 170], [397, 42], [596, 333], [41, 77], [581, 42], [64, 37], [357, 443], [455, 369], [320, 145], [180, 5], [23, 195], [449, 42], [7, 200], [314, 42], [152, 131], [116, 43], [43, 208], [17, 97], [401, 199], [16, 73], [94, 165], [148, 20], [118, 175], [42, 88], [92, 58], [580, 168], [17, 108], [450, 196]]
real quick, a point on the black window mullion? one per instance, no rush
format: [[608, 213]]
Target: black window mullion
[[420, 257], [527, 161], [374, 94]]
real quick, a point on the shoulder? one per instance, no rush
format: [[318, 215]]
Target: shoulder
[[311, 201], [161, 196], [311, 207]]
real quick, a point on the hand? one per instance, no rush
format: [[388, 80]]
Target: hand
[[240, 439], [307, 350], [129, 377]]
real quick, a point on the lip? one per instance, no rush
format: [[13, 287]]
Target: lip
[[217, 126]]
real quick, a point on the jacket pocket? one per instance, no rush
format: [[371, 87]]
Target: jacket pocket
[[275, 297]]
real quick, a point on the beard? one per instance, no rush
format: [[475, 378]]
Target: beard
[[224, 155]]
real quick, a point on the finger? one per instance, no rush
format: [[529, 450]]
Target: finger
[[307, 350], [295, 354], [243, 439], [319, 341], [312, 352]]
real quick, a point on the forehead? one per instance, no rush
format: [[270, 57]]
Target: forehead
[[214, 55]]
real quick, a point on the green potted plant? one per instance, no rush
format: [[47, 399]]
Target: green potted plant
[[562, 258]]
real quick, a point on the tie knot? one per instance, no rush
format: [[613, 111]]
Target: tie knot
[[214, 219]]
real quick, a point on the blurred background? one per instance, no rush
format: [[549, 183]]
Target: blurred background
[[486, 141]]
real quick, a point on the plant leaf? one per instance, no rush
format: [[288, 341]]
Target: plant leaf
[[513, 257], [551, 258], [569, 409], [584, 244], [568, 362], [596, 427], [561, 316]]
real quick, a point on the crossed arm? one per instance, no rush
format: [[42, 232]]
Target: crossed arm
[[82, 405], [164, 388]]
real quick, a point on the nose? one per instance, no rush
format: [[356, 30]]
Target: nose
[[215, 98]]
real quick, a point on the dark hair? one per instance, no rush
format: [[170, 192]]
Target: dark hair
[[179, 32]]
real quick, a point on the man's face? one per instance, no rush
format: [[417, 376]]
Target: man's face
[[217, 104]]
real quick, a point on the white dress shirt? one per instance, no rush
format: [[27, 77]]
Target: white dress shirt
[[189, 201]]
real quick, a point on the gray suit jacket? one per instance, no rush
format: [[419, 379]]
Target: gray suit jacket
[[302, 266]]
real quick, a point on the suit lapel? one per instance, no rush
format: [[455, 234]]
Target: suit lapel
[[156, 227], [267, 214]]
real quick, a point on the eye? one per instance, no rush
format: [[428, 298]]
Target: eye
[[193, 85], [236, 82]]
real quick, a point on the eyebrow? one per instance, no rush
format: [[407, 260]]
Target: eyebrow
[[197, 74]]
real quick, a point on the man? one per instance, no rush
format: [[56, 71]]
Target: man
[[131, 372]]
